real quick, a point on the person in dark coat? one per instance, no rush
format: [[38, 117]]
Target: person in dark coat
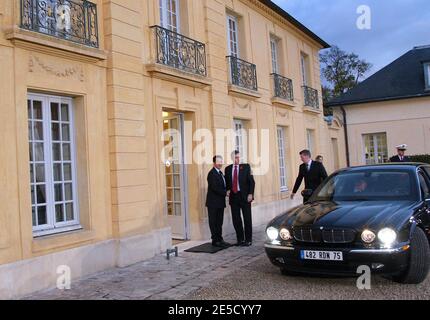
[[215, 202], [313, 172], [240, 188], [401, 157]]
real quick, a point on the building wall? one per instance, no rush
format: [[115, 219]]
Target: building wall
[[404, 121], [120, 94]]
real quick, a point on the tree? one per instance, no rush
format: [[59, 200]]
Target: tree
[[342, 71]]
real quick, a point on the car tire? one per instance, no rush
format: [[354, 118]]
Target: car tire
[[419, 263]]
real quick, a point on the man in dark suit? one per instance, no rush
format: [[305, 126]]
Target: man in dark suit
[[401, 150], [215, 202], [240, 188], [313, 172]]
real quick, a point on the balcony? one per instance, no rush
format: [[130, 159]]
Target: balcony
[[282, 89], [74, 21], [243, 77], [311, 99], [178, 58]]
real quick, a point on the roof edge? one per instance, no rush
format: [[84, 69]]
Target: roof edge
[[353, 102], [273, 6]]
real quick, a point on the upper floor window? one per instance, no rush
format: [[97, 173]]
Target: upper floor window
[[232, 36], [427, 74], [52, 164], [274, 50], [169, 14], [304, 64], [71, 20]]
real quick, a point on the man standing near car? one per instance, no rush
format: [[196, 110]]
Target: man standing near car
[[313, 172], [401, 157], [240, 188], [215, 202]]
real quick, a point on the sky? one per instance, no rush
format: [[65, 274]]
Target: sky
[[396, 26]]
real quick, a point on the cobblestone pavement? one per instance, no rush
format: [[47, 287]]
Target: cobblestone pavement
[[233, 274], [159, 278]]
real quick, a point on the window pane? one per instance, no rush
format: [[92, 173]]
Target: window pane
[[40, 173], [37, 110], [66, 152], [54, 112], [30, 131], [65, 132], [30, 116], [68, 192], [38, 130], [58, 190], [33, 215], [64, 112], [56, 151], [59, 214], [31, 173], [69, 212], [56, 132], [41, 194], [33, 196], [39, 152], [67, 172], [42, 217], [57, 172]]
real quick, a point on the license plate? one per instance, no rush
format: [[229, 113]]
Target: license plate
[[321, 255]]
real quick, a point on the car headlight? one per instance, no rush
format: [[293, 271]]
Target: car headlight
[[272, 233], [387, 236], [368, 236], [285, 234]]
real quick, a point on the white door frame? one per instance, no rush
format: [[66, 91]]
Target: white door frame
[[183, 184]]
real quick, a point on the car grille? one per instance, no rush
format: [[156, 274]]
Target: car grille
[[307, 235], [333, 236]]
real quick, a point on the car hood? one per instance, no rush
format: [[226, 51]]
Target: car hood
[[350, 214]]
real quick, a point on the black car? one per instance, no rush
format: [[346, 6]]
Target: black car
[[376, 216]]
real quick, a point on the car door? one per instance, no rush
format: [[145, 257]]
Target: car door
[[424, 180]]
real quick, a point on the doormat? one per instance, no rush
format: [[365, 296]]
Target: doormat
[[205, 248]]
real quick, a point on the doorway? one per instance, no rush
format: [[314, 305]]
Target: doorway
[[175, 175]]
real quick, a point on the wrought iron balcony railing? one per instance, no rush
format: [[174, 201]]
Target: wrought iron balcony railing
[[71, 20], [311, 97], [242, 73], [179, 52], [283, 87]]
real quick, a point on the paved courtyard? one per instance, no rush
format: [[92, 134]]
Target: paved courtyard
[[233, 274]]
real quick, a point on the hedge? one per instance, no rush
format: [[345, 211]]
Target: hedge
[[423, 158]]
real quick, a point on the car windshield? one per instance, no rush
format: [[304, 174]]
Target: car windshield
[[369, 185]]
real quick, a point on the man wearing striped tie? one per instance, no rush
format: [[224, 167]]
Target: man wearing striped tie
[[240, 189]]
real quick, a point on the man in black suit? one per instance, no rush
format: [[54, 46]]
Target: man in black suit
[[313, 172], [401, 150], [215, 202], [240, 188]]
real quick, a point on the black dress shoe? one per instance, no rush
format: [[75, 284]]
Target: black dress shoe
[[247, 244], [239, 244], [225, 244]]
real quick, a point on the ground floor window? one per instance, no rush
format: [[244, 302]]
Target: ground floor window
[[52, 164], [375, 148], [282, 158], [310, 140], [240, 139]]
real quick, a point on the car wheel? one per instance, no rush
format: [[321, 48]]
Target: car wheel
[[419, 262]]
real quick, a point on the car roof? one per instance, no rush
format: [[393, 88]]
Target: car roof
[[404, 165]]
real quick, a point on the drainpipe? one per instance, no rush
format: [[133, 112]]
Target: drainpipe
[[345, 124]]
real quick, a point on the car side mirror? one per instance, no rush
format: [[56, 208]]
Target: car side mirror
[[307, 193]]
